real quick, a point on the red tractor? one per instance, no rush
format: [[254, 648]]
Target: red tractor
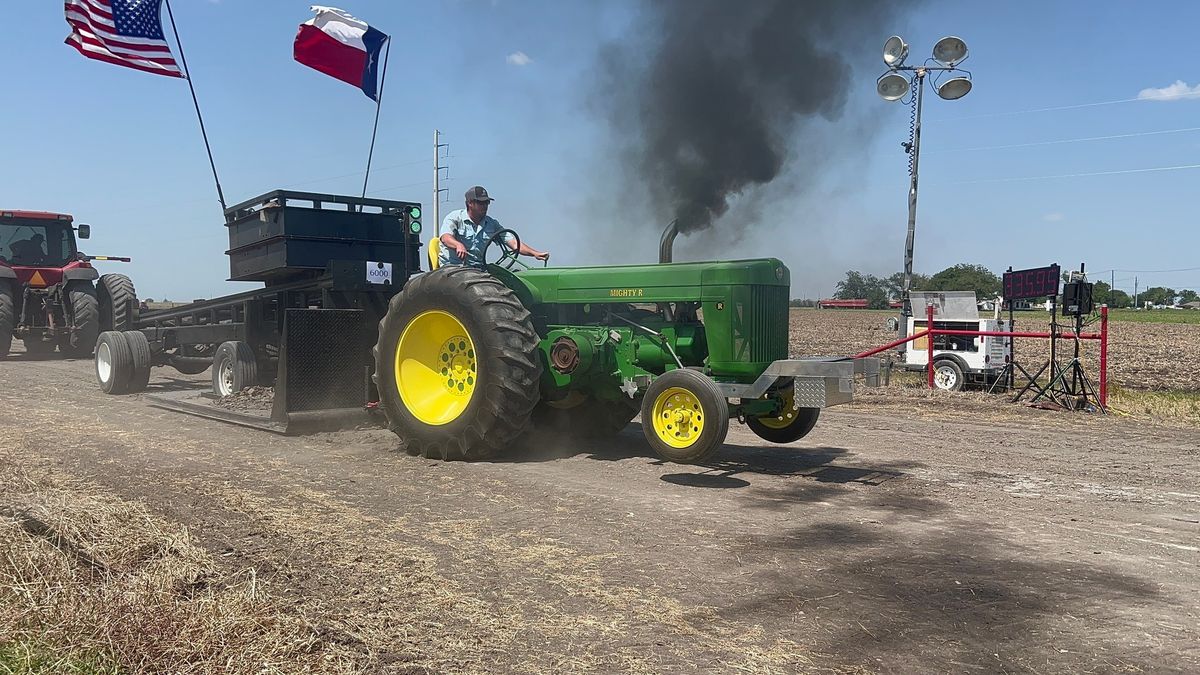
[[50, 295]]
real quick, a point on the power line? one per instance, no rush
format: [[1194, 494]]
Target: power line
[[1182, 269], [1073, 140], [1075, 175], [1165, 97]]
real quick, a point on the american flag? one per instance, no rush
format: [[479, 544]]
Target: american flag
[[125, 32]]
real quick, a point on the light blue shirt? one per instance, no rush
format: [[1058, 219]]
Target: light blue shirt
[[474, 236]]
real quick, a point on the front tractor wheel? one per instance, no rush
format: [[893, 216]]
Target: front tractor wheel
[[788, 425], [457, 365], [685, 416]]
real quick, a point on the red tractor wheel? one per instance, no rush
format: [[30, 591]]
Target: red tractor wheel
[[118, 302], [83, 316], [8, 317]]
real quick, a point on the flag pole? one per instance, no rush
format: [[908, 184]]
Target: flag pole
[[387, 49], [187, 75]]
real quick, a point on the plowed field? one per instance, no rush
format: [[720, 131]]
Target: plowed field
[[1157, 356]]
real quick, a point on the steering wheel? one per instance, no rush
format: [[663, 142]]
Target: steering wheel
[[508, 255]]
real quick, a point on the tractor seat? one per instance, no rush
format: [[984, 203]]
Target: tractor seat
[[434, 248]]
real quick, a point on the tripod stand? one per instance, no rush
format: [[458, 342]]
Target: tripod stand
[[1070, 386], [1008, 374]]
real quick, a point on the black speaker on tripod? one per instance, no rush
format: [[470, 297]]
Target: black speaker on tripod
[[1077, 298]]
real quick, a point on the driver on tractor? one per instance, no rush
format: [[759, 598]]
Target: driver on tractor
[[29, 251], [465, 233]]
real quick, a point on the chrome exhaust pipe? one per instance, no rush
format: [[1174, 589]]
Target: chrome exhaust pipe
[[667, 242]]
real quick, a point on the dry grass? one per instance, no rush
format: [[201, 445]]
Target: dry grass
[[90, 583], [1175, 405]]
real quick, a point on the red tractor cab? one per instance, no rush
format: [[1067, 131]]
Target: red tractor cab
[[50, 295]]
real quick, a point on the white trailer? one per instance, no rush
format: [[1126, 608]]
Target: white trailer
[[958, 360]]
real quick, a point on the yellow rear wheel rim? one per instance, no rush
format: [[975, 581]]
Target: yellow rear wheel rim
[[786, 416], [678, 417], [436, 367]]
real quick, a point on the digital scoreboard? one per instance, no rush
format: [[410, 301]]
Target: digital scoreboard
[[1039, 282]]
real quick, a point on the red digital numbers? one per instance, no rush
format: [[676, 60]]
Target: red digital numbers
[[1039, 282]]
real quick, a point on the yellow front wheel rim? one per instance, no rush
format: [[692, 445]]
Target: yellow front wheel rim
[[786, 416], [436, 367], [678, 417]]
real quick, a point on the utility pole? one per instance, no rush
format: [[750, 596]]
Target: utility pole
[[1135, 290], [437, 180]]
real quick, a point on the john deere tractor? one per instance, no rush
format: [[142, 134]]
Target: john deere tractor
[[47, 296], [468, 358]]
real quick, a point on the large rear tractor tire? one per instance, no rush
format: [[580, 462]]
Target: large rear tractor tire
[[84, 319], [789, 425], [118, 302], [457, 365], [114, 362], [589, 418], [8, 317], [685, 416], [234, 368]]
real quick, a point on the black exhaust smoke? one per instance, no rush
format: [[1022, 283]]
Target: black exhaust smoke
[[714, 94]]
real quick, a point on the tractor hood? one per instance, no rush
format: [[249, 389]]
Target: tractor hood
[[647, 283], [45, 277]]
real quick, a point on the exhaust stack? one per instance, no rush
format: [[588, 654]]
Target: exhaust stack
[[667, 242]]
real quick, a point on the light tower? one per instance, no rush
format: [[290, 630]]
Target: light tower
[[948, 53]]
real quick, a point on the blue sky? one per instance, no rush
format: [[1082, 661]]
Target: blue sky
[[121, 150]]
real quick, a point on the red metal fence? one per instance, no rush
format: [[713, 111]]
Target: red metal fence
[[931, 331]]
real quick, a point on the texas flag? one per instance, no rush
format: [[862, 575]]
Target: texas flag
[[341, 46]]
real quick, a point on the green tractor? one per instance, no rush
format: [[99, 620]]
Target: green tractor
[[468, 358]]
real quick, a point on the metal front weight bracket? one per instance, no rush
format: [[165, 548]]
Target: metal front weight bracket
[[631, 385]]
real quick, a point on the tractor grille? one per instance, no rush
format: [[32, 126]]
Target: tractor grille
[[768, 323]]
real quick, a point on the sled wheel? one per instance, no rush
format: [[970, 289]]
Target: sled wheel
[[234, 368], [114, 362], [139, 348]]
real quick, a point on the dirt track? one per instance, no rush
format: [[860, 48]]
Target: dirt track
[[885, 541]]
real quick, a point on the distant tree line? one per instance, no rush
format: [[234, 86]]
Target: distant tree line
[[879, 291]]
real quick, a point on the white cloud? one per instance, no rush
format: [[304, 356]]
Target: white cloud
[[518, 59], [1174, 92], [1053, 217]]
